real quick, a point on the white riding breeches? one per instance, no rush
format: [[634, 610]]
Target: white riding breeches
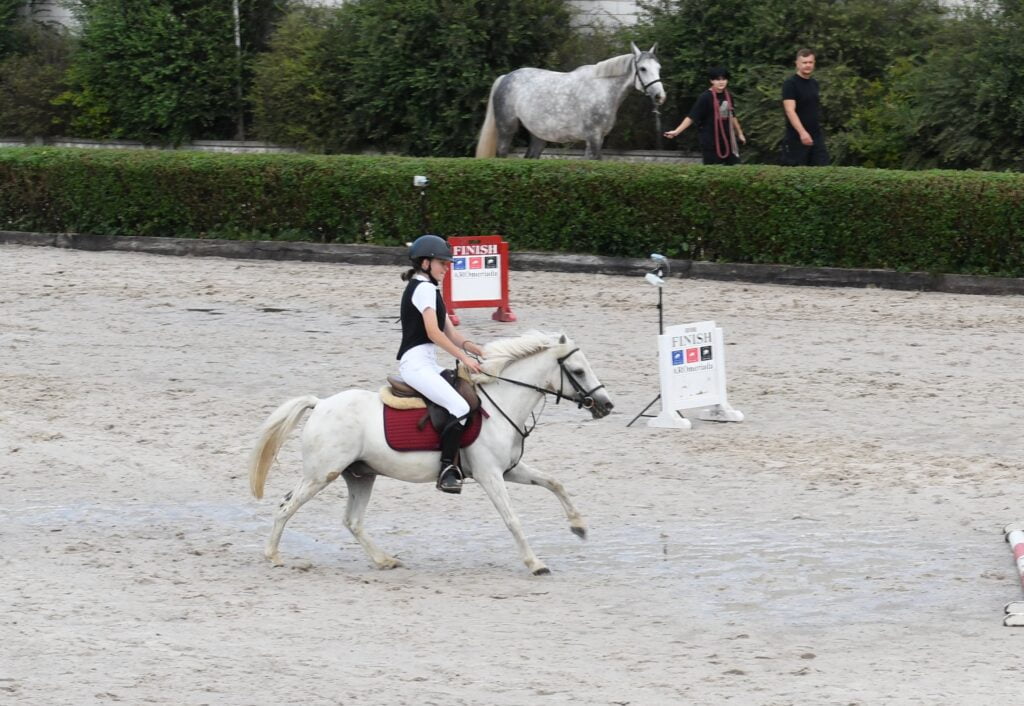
[[419, 369]]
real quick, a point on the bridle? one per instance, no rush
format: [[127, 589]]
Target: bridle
[[643, 89], [583, 398], [637, 79]]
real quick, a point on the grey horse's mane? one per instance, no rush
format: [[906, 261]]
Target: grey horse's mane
[[616, 66], [499, 354]]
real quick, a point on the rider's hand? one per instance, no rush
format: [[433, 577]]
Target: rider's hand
[[470, 363]]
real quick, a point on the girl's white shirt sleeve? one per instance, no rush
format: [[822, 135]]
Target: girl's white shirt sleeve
[[424, 298]]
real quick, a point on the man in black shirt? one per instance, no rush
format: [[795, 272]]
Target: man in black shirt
[[804, 143]]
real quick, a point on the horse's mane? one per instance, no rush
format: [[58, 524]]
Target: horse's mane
[[616, 66], [499, 354]]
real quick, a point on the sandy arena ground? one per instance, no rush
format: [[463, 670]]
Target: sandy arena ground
[[843, 545]]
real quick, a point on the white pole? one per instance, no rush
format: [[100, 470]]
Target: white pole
[[1015, 537]]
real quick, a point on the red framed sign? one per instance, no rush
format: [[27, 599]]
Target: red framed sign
[[478, 276]]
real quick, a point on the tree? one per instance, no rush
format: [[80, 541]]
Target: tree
[[31, 80], [409, 76], [161, 70]]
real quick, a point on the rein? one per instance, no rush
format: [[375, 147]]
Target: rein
[[583, 399], [583, 396]]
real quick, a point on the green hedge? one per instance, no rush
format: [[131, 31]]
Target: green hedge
[[936, 221]]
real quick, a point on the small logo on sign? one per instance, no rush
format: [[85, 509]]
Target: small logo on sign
[[459, 263], [677, 358], [490, 262], [692, 355], [705, 352], [476, 263]]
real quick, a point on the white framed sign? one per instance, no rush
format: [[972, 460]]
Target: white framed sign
[[476, 273], [691, 368]]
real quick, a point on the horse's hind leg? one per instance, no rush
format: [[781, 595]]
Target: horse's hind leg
[[537, 146], [506, 133], [527, 475], [494, 486], [303, 492], [359, 488]]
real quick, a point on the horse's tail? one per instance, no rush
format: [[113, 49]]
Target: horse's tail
[[272, 435], [487, 145]]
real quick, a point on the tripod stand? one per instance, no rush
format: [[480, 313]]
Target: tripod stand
[[656, 277]]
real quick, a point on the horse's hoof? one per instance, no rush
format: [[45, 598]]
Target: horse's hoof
[[542, 571], [275, 559], [580, 532], [389, 563]]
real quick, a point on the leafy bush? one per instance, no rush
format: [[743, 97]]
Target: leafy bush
[[960, 222]]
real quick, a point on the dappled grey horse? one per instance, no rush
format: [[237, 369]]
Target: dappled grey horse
[[566, 107]]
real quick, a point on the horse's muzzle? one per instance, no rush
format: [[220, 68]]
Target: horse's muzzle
[[598, 409]]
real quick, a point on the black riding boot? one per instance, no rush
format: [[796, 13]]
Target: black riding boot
[[449, 480]]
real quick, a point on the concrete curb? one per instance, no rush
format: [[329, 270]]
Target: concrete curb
[[548, 262]]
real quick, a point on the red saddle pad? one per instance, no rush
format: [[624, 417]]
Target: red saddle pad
[[402, 433]]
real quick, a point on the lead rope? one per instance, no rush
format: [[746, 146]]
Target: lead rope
[[657, 122], [723, 142]]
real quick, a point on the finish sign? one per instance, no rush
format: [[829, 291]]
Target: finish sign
[[691, 367], [478, 276]]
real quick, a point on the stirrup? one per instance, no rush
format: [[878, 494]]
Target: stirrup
[[449, 480]]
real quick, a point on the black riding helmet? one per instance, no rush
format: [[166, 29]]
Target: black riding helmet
[[431, 246]]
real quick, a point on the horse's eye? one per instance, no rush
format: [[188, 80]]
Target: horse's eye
[[578, 372], [643, 68]]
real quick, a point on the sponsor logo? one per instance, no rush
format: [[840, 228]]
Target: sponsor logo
[[476, 263], [692, 355], [705, 353], [677, 358], [459, 263], [490, 262]]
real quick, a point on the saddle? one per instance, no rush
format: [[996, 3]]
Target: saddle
[[406, 413], [399, 395]]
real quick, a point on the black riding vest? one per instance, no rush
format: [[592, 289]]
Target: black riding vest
[[414, 332]]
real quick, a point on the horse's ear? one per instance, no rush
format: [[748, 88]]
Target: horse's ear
[[563, 339], [636, 50], [653, 48]]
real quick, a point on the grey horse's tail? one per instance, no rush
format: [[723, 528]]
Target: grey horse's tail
[[487, 145]]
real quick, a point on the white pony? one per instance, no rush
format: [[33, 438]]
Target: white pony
[[566, 107], [345, 437]]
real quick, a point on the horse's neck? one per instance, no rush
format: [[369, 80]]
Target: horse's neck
[[616, 87]]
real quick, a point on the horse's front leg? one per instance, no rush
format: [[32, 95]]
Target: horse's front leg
[[593, 150], [493, 484], [527, 475]]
